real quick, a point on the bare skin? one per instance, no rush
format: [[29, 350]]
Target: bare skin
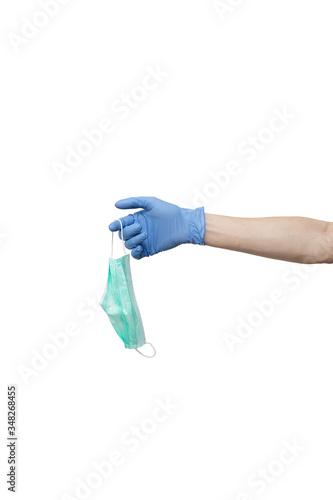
[[293, 239]]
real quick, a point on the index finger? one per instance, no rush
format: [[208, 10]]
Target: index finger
[[126, 221]]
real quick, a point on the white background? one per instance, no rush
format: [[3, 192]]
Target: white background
[[234, 410]]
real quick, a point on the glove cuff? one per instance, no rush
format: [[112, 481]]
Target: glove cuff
[[196, 225]]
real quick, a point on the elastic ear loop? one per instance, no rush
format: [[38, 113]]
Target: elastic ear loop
[[145, 355], [122, 239]]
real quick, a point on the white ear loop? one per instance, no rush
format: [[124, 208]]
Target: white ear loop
[[122, 238], [145, 355]]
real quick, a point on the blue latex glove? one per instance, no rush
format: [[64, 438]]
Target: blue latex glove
[[160, 226]]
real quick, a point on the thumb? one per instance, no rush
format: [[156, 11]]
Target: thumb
[[136, 202]]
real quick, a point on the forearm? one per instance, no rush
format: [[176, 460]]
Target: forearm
[[294, 239]]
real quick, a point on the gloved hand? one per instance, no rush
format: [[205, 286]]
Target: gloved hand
[[160, 226]]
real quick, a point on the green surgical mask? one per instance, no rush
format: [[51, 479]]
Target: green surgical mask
[[120, 304]]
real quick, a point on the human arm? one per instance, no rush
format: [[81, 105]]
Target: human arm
[[161, 226], [293, 239]]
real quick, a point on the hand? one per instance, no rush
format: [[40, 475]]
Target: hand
[[160, 226]]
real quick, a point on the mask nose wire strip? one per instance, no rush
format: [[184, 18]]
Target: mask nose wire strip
[[122, 238], [145, 355]]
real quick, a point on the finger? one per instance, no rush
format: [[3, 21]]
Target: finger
[[131, 231], [136, 240], [137, 252], [126, 221], [136, 202]]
